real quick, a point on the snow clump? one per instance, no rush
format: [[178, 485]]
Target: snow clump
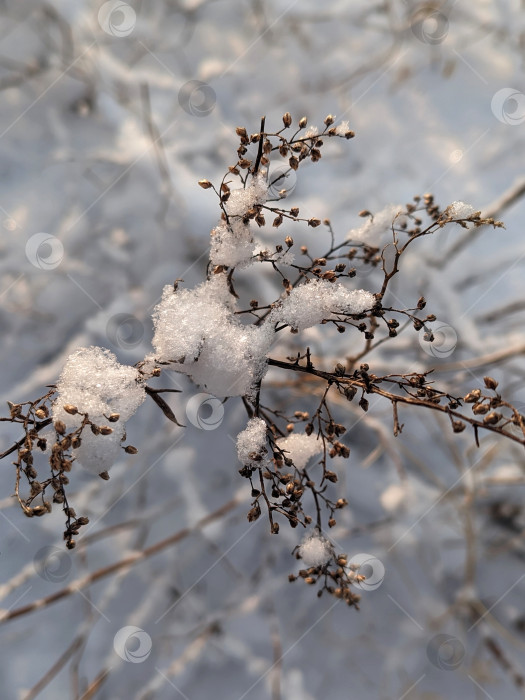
[[243, 199], [252, 440], [315, 550], [310, 303], [93, 382], [198, 334], [299, 448], [375, 226], [460, 210]]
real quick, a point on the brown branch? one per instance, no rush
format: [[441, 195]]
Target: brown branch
[[18, 445], [400, 398]]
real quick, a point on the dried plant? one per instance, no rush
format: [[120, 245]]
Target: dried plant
[[276, 447]]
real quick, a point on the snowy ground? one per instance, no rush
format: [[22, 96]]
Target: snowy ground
[[436, 98]]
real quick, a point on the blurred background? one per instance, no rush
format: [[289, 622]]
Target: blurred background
[[111, 113]]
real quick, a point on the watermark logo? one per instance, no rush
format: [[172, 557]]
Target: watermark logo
[[117, 18], [281, 181], [125, 331], [508, 106], [197, 99], [369, 567], [132, 644], [205, 411], [438, 339], [429, 25], [445, 652], [44, 251], [52, 564]]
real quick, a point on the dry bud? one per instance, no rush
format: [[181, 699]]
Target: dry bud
[[492, 418], [490, 383], [303, 121], [472, 396], [287, 119], [130, 450], [60, 427], [205, 184]]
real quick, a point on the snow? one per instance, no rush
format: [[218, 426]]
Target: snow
[[459, 210], [252, 440], [243, 199], [95, 383], [300, 448], [309, 303], [342, 128], [231, 245], [373, 229], [315, 550], [197, 333], [311, 132]]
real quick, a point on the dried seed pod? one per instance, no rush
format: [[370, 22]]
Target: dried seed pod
[[492, 418], [490, 383], [60, 427], [287, 119]]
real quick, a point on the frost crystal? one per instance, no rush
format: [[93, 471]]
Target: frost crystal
[[95, 383], [315, 550], [459, 210], [308, 304], [197, 332], [251, 440], [375, 226], [300, 447], [342, 128]]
